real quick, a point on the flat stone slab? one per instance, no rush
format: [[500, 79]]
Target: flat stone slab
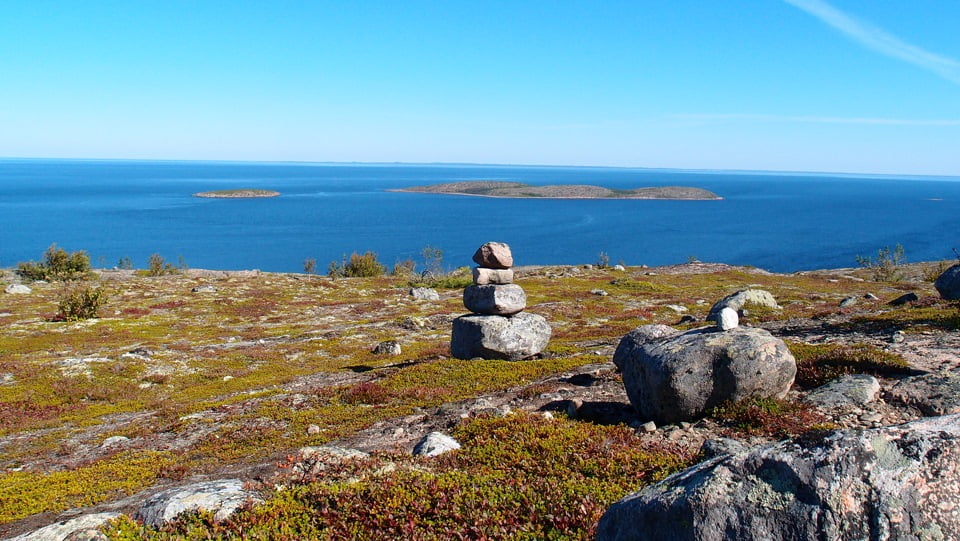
[[932, 394], [484, 276], [849, 390], [497, 300], [222, 497], [499, 337]]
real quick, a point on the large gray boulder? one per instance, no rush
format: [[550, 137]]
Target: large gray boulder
[[741, 299], [680, 378], [948, 283], [499, 337], [898, 482], [222, 497], [499, 300], [636, 338]]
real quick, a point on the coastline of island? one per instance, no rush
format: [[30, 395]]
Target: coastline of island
[[242, 193], [502, 189]]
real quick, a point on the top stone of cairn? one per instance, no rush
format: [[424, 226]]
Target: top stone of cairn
[[494, 255]]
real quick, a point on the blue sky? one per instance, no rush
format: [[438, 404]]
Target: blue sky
[[796, 85]]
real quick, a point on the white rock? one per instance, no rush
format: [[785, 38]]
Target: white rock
[[114, 441], [82, 527], [425, 294], [17, 289], [434, 444], [222, 497], [728, 319]]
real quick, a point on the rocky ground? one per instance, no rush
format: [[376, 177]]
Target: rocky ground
[[226, 381]]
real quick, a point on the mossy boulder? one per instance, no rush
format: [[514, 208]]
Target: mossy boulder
[[896, 482], [680, 378]]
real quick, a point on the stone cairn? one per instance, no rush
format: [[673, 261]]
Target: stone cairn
[[497, 328]]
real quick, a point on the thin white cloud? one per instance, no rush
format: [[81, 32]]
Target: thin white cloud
[[879, 40], [734, 117]]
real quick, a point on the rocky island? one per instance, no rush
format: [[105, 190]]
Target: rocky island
[[493, 188], [242, 193]]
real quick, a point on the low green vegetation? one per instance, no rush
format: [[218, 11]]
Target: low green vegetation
[[358, 266], [886, 266], [236, 377], [516, 477], [57, 265], [768, 416], [79, 302], [817, 364]]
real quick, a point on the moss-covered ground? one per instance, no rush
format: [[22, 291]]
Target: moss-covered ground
[[199, 382]]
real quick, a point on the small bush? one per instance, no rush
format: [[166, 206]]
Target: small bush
[[157, 266], [603, 260], [432, 259], [80, 302], [457, 279], [405, 268], [57, 264], [125, 263], [310, 266], [359, 266], [887, 266]]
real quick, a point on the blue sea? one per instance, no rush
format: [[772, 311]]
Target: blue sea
[[775, 221]]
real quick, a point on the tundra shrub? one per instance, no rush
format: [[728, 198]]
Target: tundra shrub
[[57, 264], [157, 266], [888, 265], [80, 302], [358, 266]]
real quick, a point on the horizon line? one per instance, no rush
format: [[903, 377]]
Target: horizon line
[[784, 172]]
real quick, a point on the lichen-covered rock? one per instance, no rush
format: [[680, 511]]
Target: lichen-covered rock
[[848, 390], [498, 300], [82, 528], [679, 378], [948, 283], [738, 300], [494, 255], [222, 497], [638, 337], [435, 444], [387, 347], [900, 482], [424, 294], [932, 394], [499, 337]]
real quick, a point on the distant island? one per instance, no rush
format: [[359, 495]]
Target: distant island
[[243, 193], [491, 188]]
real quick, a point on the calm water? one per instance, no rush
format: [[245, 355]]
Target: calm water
[[132, 209]]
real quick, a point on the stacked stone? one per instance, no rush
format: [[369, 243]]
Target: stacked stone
[[497, 328]]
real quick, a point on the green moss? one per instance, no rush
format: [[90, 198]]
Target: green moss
[[24, 494], [817, 364], [519, 477]]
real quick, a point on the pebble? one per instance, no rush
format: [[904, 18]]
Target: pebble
[[648, 426]]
